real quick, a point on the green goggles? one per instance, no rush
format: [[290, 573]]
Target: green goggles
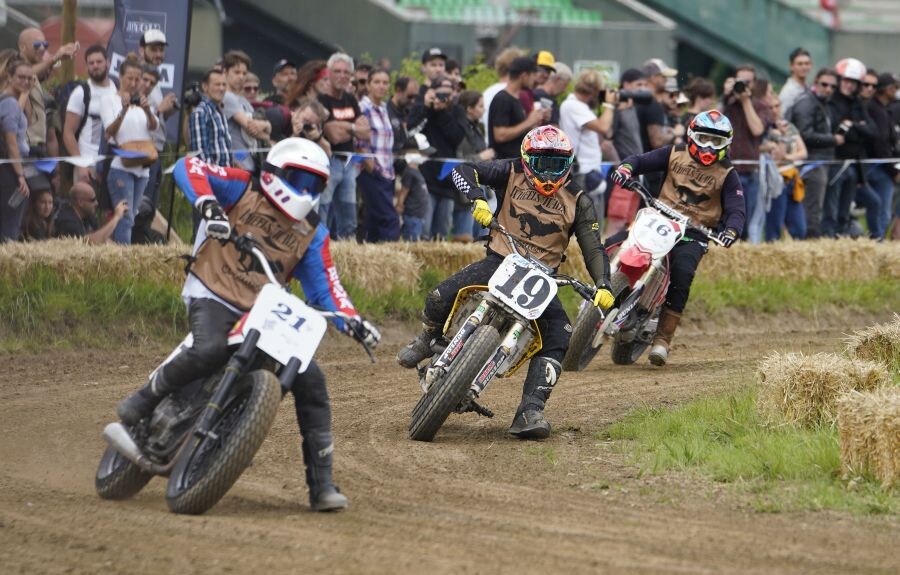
[[549, 165]]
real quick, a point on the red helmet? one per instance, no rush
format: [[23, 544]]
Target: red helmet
[[547, 157]]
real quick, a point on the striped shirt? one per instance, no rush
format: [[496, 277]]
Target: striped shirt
[[381, 144], [209, 133]]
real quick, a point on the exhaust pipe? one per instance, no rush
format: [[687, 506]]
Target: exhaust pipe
[[119, 439]]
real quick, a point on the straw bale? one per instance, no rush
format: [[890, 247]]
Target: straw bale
[[802, 390], [378, 268], [869, 427], [880, 342]]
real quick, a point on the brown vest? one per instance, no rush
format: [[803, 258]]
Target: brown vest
[[221, 269], [693, 189], [541, 222]]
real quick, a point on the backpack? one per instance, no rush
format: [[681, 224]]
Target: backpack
[[62, 101]]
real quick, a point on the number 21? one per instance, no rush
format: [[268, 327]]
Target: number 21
[[284, 313]]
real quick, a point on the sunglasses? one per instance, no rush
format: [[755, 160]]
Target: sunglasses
[[251, 88], [38, 44], [827, 85], [867, 85]]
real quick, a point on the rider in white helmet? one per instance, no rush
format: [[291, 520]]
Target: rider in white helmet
[[220, 289]]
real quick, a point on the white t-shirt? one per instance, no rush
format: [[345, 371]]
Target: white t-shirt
[[573, 115], [159, 135], [488, 96], [89, 139], [132, 129]]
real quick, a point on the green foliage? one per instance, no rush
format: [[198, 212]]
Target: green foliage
[[479, 76], [725, 439]]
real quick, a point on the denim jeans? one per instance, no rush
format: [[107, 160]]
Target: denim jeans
[[10, 218], [756, 215], [439, 218], [788, 213], [838, 198], [382, 224], [463, 222], [337, 204], [412, 228], [125, 186], [881, 184]]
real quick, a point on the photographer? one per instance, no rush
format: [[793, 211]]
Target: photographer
[[129, 124], [749, 117], [307, 120]]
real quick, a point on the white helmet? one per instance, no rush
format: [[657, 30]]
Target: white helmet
[[294, 174], [851, 69]]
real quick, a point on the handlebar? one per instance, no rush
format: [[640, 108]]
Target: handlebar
[[637, 187]]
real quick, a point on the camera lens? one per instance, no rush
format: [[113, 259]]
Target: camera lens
[[739, 86]]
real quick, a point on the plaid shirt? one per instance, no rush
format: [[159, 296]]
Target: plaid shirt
[[382, 141], [209, 133]]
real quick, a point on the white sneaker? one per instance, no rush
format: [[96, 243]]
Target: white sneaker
[[658, 355]]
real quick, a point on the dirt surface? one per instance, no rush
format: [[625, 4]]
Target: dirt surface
[[474, 501]]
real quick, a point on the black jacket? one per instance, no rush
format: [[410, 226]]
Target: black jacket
[[811, 117], [842, 108], [444, 132]]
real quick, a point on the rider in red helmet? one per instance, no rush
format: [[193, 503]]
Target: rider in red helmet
[[539, 204]]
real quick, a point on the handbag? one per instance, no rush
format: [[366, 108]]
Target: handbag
[[146, 147]]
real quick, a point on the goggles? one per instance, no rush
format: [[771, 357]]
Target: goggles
[[305, 182], [706, 140], [549, 165]]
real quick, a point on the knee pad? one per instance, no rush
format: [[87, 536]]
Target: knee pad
[[544, 372]]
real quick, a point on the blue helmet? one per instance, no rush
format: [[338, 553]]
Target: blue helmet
[[708, 137]]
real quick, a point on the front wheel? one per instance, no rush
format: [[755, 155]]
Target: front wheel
[[208, 466], [444, 395], [118, 478], [581, 350]]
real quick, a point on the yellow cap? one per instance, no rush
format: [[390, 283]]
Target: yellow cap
[[545, 58]]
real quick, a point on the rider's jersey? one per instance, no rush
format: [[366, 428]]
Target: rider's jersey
[[710, 195], [544, 223], [295, 250]]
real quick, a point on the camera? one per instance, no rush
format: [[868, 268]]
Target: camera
[[843, 129], [192, 95], [636, 96], [546, 103], [135, 100], [442, 96], [739, 87]]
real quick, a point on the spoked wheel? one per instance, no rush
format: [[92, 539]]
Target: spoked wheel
[[432, 410], [118, 478], [208, 466], [581, 350]]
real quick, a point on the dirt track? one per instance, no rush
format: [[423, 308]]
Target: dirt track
[[474, 501]]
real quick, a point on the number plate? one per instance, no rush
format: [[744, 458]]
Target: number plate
[[656, 233], [525, 289], [287, 326]]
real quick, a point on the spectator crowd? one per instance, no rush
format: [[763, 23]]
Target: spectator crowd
[[810, 158]]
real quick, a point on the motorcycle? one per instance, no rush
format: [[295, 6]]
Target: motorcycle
[[203, 435], [493, 331], [640, 279]]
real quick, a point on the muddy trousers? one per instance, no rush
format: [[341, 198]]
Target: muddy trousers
[[210, 323], [553, 323]]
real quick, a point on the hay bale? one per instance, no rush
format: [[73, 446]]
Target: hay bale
[[880, 342], [869, 427], [803, 390], [378, 268]]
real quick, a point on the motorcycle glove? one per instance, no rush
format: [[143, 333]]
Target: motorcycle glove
[[482, 213], [622, 174], [217, 225], [604, 298], [728, 237], [363, 331]]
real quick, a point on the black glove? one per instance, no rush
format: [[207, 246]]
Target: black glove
[[217, 226], [363, 331], [622, 174], [728, 237]]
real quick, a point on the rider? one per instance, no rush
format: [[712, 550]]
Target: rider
[[701, 183], [540, 205], [220, 289]]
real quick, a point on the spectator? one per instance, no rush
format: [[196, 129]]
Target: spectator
[[251, 88], [579, 122], [77, 216], [801, 65], [284, 75], [749, 117], [851, 119], [453, 71], [471, 149], [307, 120], [246, 130], [437, 117], [868, 86], [146, 211], [501, 66], [701, 95], [786, 210], [655, 131], [507, 121], [312, 80], [83, 110], [413, 203], [405, 91], [879, 177], [434, 65], [359, 85], [345, 122], [626, 130], [546, 65], [376, 180], [555, 85], [38, 224], [672, 110], [208, 127], [128, 121], [14, 146]]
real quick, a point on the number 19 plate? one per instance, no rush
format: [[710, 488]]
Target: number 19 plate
[[525, 289]]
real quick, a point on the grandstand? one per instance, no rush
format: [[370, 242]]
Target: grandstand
[[855, 15], [502, 12]]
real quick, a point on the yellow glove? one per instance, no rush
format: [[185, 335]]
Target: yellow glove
[[482, 213], [604, 298]]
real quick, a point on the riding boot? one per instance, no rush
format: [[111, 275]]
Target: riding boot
[[530, 422], [142, 402], [668, 323], [420, 347], [324, 495]]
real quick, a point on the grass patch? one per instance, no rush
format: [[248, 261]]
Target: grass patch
[[783, 468]]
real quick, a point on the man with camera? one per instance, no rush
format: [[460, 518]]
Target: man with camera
[[749, 118], [207, 125]]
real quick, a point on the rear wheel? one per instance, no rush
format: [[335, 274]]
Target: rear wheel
[[626, 353], [208, 466], [118, 478], [444, 395], [581, 351]]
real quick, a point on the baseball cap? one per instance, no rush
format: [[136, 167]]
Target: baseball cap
[[886, 80], [521, 65], [154, 36], [546, 60], [655, 66], [432, 53], [281, 65], [671, 84], [632, 75]]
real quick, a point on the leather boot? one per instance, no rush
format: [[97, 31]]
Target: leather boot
[[324, 495], [668, 323], [529, 422], [142, 402], [420, 347]]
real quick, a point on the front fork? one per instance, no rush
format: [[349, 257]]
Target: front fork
[[489, 370], [233, 370], [455, 346]]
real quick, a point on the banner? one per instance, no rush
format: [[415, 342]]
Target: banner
[[172, 17]]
